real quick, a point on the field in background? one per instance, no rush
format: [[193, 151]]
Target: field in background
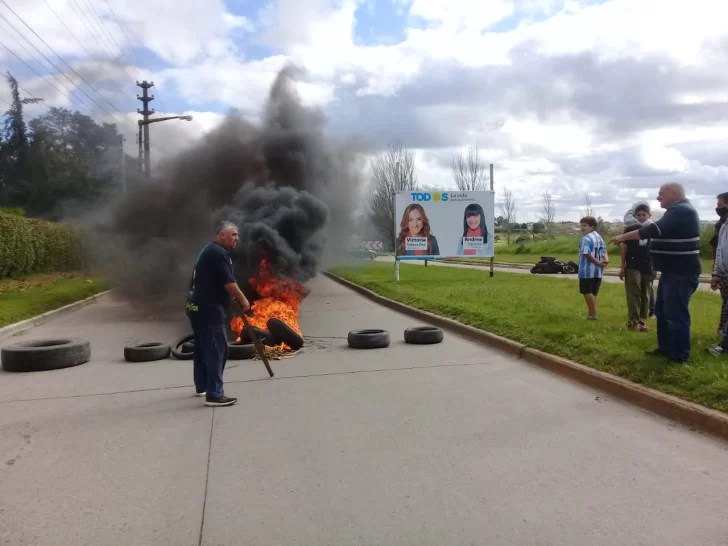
[[549, 314]]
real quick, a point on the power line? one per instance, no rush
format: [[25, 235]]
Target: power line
[[118, 23], [54, 76], [69, 66], [95, 34], [42, 76], [74, 34]]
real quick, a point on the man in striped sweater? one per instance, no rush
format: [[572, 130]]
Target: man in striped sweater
[[675, 251]]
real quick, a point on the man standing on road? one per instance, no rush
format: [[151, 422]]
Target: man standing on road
[[675, 251], [212, 287]]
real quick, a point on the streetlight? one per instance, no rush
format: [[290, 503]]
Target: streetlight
[[145, 124]]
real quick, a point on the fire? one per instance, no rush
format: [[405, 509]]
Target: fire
[[279, 298]]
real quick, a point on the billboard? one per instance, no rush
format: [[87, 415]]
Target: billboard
[[444, 224]]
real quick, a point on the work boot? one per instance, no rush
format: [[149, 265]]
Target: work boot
[[223, 401]]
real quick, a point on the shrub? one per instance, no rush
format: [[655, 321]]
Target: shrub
[[33, 246]]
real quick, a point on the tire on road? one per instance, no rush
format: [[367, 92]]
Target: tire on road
[[559, 263], [45, 354], [179, 354], [241, 351], [265, 337], [368, 339], [423, 335], [569, 270], [282, 333], [147, 352], [188, 347], [548, 259]]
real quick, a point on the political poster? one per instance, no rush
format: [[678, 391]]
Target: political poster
[[444, 224]]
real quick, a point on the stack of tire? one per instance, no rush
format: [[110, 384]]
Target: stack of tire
[[551, 266]]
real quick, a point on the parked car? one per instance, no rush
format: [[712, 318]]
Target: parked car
[[361, 252]]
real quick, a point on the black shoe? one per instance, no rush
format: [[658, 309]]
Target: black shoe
[[656, 352], [224, 401]]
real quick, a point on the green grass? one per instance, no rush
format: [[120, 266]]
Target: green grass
[[21, 304], [549, 314]]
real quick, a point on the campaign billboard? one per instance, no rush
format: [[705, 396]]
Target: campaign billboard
[[444, 224]]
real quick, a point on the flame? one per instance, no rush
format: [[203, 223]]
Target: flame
[[279, 298]]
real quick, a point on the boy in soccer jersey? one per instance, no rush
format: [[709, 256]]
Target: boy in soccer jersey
[[592, 261]]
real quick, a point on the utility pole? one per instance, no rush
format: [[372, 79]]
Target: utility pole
[[145, 98], [123, 164], [141, 154]]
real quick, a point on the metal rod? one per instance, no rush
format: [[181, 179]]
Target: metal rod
[[257, 343], [492, 258]]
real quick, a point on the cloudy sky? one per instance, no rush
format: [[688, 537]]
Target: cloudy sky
[[609, 98]]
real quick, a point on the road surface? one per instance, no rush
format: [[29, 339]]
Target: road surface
[[607, 278], [412, 445]]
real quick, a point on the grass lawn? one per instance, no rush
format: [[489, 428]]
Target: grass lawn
[[25, 298], [549, 314]]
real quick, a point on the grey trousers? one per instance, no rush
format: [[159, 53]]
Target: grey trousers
[[637, 289]]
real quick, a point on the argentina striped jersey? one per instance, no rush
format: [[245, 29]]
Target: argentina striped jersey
[[592, 243]]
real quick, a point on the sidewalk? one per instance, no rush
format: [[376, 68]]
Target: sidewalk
[[410, 445]]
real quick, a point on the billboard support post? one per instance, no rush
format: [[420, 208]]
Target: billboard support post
[[396, 268], [492, 258]]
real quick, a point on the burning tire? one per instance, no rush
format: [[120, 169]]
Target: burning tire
[[423, 335], [241, 351], [265, 337], [282, 333], [146, 352], [368, 339], [175, 349], [45, 354]]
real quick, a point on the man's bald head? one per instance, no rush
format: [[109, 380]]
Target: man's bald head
[[670, 193]]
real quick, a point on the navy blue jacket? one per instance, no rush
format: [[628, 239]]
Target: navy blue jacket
[[675, 240]]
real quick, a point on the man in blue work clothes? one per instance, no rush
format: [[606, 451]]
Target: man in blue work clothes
[[212, 288], [675, 252]]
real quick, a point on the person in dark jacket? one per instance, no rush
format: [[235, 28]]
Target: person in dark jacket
[[212, 289], [720, 281], [636, 272], [675, 252]]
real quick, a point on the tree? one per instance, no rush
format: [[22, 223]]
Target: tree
[[469, 171], [508, 210], [392, 171], [14, 147], [548, 211], [588, 209], [538, 227]]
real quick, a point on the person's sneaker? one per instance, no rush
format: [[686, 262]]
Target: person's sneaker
[[717, 351], [592, 318], [200, 393], [224, 401], [642, 327], [656, 352]]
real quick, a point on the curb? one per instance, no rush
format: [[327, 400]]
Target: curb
[[674, 408], [27, 324]]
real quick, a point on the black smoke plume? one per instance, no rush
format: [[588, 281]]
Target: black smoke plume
[[288, 189]]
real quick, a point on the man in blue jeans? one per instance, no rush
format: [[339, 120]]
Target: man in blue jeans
[[212, 288], [675, 253]]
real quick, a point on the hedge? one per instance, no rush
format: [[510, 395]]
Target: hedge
[[28, 246]]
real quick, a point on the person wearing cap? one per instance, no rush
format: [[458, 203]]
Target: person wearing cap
[[636, 272], [675, 252]]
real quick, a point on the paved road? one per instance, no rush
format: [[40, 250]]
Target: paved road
[[449, 444], [702, 286]]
